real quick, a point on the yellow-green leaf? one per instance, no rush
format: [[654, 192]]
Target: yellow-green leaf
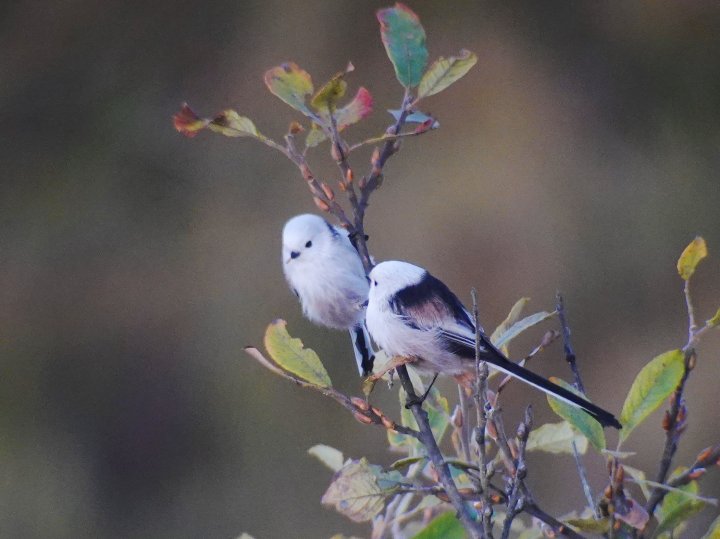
[[579, 419], [445, 71], [404, 40], [445, 526], [678, 506], [329, 456], [518, 327], [511, 318], [556, 438], [326, 97], [359, 489], [691, 257], [651, 387], [231, 124], [289, 354], [715, 320], [714, 530], [291, 84], [590, 524], [315, 136]]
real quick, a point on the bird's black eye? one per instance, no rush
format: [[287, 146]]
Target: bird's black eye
[[308, 244], [374, 283]]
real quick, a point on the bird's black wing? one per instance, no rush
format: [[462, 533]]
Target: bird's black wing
[[430, 304], [465, 347]]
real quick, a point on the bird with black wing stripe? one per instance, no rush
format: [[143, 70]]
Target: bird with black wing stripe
[[412, 314]]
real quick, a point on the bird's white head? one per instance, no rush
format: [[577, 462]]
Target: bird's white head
[[303, 236], [387, 278]]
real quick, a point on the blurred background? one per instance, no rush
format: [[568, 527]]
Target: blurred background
[[580, 154]]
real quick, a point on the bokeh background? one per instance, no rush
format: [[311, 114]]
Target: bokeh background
[[581, 154]]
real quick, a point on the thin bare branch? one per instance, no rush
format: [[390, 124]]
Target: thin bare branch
[[571, 358], [427, 438], [481, 376], [361, 409]]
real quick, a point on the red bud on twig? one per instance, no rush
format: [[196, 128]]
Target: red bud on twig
[[322, 205]]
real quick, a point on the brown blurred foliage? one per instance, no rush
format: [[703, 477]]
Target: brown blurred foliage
[[582, 153]]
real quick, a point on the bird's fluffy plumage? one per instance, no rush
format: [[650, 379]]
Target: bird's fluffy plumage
[[325, 272], [411, 313]]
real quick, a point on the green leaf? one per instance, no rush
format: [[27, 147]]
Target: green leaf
[[359, 489], [579, 419], [511, 318], [556, 438], [404, 40], [291, 84], [715, 320], [518, 327], [315, 136], [678, 507], [289, 354], [640, 478], [445, 526], [445, 71], [406, 462], [691, 257], [231, 124], [329, 456], [714, 530], [590, 524], [326, 97], [360, 107], [651, 387]]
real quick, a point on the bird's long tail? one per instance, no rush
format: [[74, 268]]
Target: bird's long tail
[[604, 417], [493, 356], [364, 354]]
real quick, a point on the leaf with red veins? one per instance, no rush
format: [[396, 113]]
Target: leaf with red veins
[[187, 122]]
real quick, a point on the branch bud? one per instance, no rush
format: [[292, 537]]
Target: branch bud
[[363, 418], [362, 404], [388, 423], [305, 171], [335, 153], [295, 128], [619, 475], [321, 204], [375, 159], [491, 429], [666, 421], [362, 183], [697, 473], [457, 418], [329, 193], [705, 454], [692, 360], [349, 176]]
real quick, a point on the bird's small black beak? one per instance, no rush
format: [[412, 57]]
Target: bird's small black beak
[[294, 254], [365, 303]]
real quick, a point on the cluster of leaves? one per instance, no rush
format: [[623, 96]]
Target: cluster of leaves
[[404, 40], [411, 497]]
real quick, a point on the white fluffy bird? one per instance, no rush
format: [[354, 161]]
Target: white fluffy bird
[[325, 272], [411, 313]]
